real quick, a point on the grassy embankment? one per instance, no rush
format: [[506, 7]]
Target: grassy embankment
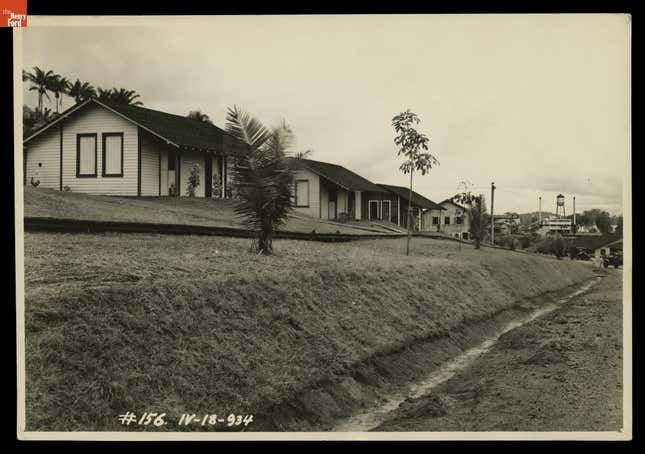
[[41, 202], [198, 324]]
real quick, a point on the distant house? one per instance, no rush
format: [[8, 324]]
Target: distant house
[[424, 210], [455, 221], [506, 223], [97, 147], [330, 191], [599, 244]]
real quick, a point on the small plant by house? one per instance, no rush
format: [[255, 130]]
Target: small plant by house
[[193, 181]]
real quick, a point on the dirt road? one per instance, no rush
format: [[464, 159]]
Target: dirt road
[[561, 372]]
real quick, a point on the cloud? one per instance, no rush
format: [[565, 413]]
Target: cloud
[[538, 104]]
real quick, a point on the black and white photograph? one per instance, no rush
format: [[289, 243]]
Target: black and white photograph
[[323, 227]]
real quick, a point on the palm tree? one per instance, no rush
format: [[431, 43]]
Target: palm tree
[[59, 85], [263, 177], [41, 80], [81, 91], [123, 96], [199, 116], [304, 154]]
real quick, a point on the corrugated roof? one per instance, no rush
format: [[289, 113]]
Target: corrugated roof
[[341, 176], [181, 131], [417, 199]]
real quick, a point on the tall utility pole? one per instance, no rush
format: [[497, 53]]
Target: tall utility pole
[[574, 214], [492, 216], [540, 211]]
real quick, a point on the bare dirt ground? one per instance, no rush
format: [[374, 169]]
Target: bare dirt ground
[[561, 372]]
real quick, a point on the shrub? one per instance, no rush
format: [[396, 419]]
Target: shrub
[[573, 252], [193, 180], [66, 188], [343, 217], [558, 247], [524, 241]]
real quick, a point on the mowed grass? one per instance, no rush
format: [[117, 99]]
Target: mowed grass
[[122, 322], [41, 202]]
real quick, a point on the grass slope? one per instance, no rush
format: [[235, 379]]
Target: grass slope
[[41, 202], [121, 322]]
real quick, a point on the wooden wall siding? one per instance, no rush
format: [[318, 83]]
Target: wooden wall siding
[[150, 149], [314, 208], [187, 160], [45, 149], [95, 119], [451, 210]]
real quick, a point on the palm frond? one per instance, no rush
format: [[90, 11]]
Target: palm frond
[[262, 177]]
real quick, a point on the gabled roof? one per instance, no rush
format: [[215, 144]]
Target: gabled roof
[[177, 130], [417, 199], [452, 201], [595, 242], [341, 176]]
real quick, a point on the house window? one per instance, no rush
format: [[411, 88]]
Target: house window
[[446, 220], [435, 220], [113, 154], [85, 155], [458, 220], [302, 193], [464, 235]]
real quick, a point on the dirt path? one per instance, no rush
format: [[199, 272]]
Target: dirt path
[[561, 372]]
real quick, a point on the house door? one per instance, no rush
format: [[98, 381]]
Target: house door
[[373, 210], [173, 188], [385, 210], [351, 204], [208, 176], [333, 196]]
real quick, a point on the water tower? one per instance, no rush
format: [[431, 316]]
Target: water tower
[[559, 206]]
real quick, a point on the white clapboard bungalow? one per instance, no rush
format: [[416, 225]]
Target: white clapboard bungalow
[[97, 147], [330, 191]]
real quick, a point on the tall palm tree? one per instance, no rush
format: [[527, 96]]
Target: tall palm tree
[[104, 95], [123, 96], [81, 91], [41, 81], [263, 177], [59, 85], [199, 116], [304, 154]]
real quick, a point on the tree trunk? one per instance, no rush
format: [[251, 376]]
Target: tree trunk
[[407, 247]]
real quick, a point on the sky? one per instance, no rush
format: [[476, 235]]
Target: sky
[[538, 104]]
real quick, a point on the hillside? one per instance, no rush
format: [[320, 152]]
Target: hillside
[[123, 322], [50, 203]]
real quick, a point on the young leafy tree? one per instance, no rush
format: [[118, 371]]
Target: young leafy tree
[[263, 177], [414, 147], [476, 208], [603, 222]]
